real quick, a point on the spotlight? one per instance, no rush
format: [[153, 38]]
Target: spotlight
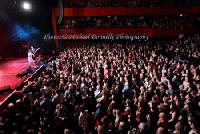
[[26, 6]]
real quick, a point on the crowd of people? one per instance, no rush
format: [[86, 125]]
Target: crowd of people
[[155, 22], [141, 88], [129, 3]]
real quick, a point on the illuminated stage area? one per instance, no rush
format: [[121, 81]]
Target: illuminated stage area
[[8, 74]]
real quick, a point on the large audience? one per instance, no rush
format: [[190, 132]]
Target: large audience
[[129, 3], [110, 88], [155, 22]]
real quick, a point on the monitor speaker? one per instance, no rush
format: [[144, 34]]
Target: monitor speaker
[[25, 73], [5, 90]]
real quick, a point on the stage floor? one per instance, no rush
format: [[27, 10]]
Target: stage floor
[[8, 71]]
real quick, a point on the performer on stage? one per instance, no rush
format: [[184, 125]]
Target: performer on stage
[[30, 57], [33, 50]]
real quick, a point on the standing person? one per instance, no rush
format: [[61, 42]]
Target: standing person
[[30, 57]]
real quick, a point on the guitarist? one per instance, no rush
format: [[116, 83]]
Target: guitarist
[[32, 55]]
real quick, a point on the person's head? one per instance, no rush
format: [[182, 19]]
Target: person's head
[[161, 130], [67, 131], [192, 122], [149, 116], [18, 102], [152, 105], [182, 94], [192, 126], [117, 112], [186, 79], [181, 87], [58, 91], [179, 127], [86, 129], [194, 92], [162, 115], [11, 106], [166, 100], [30, 131], [161, 107], [162, 120], [187, 104], [121, 126], [142, 127], [46, 96], [173, 107]]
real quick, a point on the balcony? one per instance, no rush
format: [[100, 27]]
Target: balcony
[[77, 12]]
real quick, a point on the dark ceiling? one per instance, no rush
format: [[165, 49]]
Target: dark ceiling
[[40, 16]]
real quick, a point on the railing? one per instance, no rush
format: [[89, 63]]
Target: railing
[[129, 3], [73, 12], [91, 32]]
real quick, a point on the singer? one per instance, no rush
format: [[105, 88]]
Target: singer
[[32, 53]]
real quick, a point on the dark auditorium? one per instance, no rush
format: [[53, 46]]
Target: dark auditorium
[[99, 66]]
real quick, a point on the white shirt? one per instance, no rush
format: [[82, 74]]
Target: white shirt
[[30, 58]]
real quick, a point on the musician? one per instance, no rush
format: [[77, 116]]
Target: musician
[[32, 55], [33, 49]]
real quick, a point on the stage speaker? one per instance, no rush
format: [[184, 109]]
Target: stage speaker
[[24, 73], [5, 90]]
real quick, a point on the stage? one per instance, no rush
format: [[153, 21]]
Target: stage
[[8, 71]]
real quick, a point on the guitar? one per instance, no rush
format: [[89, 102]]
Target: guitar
[[34, 53]]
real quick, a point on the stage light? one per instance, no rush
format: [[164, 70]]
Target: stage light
[[26, 5]]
